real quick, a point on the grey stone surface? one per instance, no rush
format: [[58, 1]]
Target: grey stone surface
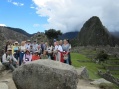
[[45, 74], [6, 80], [2, 67], [100, 81], [3, 86], [83, 73]]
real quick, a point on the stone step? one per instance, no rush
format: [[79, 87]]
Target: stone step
[[3, 86]]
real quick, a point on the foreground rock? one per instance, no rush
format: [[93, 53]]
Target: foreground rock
[[100, 81], [45, 74], [83, 73]]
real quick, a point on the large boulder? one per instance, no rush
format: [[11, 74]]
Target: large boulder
[[45, 74], [83, 73]]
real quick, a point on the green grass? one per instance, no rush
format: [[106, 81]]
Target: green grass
[[92, 67]]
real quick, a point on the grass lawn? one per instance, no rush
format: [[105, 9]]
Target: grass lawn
[[92, 67]]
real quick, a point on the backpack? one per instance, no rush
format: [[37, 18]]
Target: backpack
[[2, 59]]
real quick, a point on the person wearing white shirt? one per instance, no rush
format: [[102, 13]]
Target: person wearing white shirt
[[35, 46], [58, 49], [9, 60], [27, 45]]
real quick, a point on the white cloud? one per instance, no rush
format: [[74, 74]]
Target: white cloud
[[68, 15], [9, 0], [16, 3], [36, 25], [2, 25], [21, 4], [32, 7]]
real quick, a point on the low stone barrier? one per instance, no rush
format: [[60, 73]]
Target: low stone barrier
[[109, 77]]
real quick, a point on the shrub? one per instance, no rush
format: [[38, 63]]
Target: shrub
[[102, 56]]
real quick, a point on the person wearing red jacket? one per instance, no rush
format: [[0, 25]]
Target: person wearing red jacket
[[35, 56]]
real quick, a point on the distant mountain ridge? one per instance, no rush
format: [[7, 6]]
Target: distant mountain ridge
[[116, 34], [7, 33], [17, 34], [69, 35], [20, 31]]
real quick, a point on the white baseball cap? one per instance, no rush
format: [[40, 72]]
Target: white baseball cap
[[9, 49]]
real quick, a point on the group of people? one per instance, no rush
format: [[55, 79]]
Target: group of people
[[20, 53]]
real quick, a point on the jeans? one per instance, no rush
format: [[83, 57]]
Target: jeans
[[21, 57]]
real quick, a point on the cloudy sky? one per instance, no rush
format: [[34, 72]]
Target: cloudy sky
[[64, 15]]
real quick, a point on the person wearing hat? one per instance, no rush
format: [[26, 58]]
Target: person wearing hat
[[27, 57], [27, 45], [31, 49], [9, 60], [35, 45], [35, 56]]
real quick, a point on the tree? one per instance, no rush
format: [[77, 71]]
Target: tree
[[52, 34], [102, 56]]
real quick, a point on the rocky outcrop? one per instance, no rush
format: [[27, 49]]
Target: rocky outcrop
[[45, 74], [83, 73]]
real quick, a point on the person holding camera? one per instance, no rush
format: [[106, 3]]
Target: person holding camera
[[27, 57]]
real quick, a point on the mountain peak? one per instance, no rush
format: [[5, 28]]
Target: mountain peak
[[93, 21], [94, 33]]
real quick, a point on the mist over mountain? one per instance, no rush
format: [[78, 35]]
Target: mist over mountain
[[116, 34]]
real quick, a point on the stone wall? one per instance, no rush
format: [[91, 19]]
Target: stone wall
[[109, 77]]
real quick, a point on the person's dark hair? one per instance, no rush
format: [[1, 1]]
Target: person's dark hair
[[68, 40]]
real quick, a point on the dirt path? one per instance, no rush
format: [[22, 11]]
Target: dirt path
[[6, 77], [85, 84]]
